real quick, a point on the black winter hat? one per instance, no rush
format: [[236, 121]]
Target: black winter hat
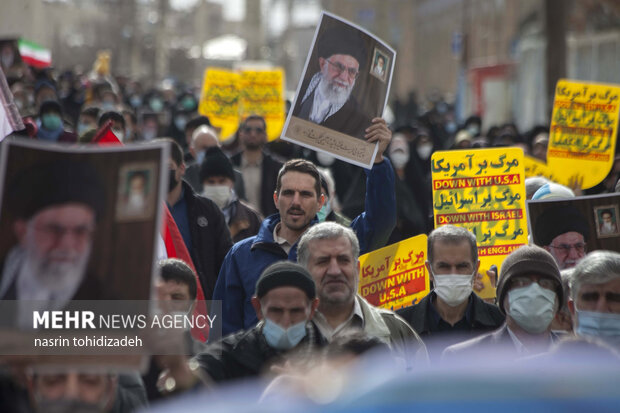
[[528, 259], [216, 163], [285, 274]]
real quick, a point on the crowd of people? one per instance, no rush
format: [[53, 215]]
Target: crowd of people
[[274, 232]]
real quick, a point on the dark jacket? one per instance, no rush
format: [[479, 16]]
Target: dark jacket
[[247, 354], [244, 222], [210, 238], [485, 317], [481, 318], [269, 178], [248, 258]]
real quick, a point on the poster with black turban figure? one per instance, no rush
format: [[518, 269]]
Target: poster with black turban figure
[[344, 85], [80, 228], [572, 227]]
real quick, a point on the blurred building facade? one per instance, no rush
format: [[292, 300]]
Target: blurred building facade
[[488, 56]]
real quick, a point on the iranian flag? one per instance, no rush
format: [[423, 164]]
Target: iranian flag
[[34, 55]]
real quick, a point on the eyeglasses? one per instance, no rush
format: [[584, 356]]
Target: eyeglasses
[[249, 129], [352, 72], [545, 283], [580, 247]]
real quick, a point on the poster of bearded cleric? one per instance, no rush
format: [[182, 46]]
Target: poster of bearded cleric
[[345, 84], [67, 234], [570, 228]]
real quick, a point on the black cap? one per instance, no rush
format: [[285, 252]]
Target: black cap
[[342, 40], [216, 163], [558, 220], [285, 274], [54, 183]]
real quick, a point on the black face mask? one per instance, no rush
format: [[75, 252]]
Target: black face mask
[[172, 179]]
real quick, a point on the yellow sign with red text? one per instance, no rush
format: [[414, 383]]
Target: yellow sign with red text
[[395, 276], [584, 126], [482, 190]]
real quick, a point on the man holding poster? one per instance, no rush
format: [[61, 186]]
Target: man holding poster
[[340, 96]]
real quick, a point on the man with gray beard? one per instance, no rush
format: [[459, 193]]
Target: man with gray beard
[[54, 206], [327, 99]]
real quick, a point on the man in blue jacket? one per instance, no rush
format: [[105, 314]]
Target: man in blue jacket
[[298, 198]]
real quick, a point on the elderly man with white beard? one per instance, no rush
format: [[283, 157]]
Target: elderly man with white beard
[[327, 99], [55, 207]]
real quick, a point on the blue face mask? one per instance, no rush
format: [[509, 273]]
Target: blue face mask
[[83, 127], [282, 339], [200, 156], [188, 103], [180, 122], [135, 101], [602, 325], [324, 211], [156, 105], [51, 121]]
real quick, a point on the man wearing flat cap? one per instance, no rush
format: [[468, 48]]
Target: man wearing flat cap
[[326, 99], [562, 230], [529, 293], [55, 206], [285, 302]]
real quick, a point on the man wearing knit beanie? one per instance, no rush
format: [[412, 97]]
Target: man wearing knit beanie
[[529, 292], [218, 180], [285, 302]]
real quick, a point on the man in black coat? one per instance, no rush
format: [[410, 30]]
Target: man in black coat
[[452, 312], [285, 302], [201, 223], [259, 169]]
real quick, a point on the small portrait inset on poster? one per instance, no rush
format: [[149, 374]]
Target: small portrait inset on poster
[[380, 64], [136, 192], [606, 217]]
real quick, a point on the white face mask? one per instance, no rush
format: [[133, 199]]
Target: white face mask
[[220, 194], [453, 289], [399, 159], [325, 159], [425, 150], [532, 307]]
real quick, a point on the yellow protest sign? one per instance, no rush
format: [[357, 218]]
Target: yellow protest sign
[[582, 139], [228, 97], [395, 276], [219, 100], [262, 93], [536, 167], [483, 191]]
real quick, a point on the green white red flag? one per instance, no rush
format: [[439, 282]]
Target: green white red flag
[[34, 54]]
